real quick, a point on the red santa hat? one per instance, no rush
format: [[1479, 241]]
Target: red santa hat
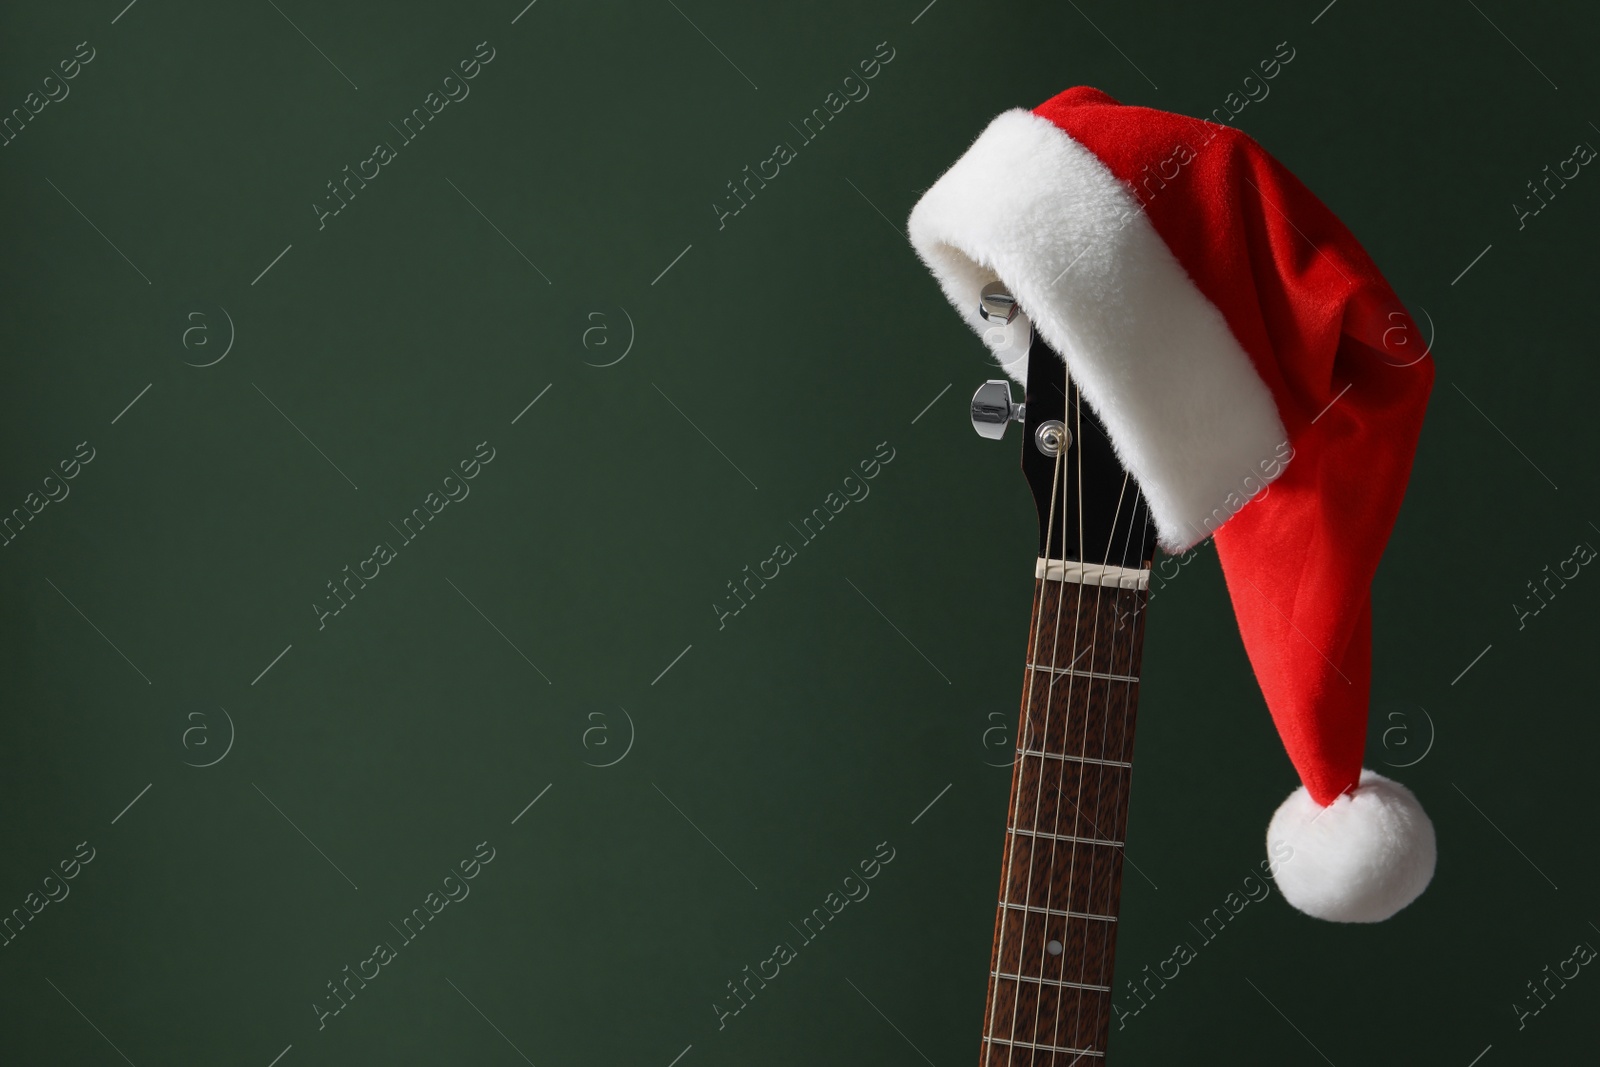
[[1263, 384]]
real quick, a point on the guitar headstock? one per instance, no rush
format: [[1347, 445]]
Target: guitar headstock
[[1090, 508]]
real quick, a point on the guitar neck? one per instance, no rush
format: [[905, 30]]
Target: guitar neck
[[1049, 998]]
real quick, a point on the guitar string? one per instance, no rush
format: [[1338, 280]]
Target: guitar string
[[1042, 739], [1079, 815], [1076, 402], [1122, 790], [1108, 930], [1027, 716], [1062, 592], [1098, 823], [1119, 808], [1128, 707], [1019, 768], [1025, 743]]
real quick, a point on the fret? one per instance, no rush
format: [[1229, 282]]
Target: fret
[[1073, 672], [1050, 981], [1045, 1048], [1075, 759], [1064, 837], [1058, 911]]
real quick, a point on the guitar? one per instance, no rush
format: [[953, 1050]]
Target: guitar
[[1055, 931]]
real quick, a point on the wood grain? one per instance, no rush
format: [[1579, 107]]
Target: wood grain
[[1061, 864]]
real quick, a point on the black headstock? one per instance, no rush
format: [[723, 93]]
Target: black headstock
[[1090, 509], [1099, 514]]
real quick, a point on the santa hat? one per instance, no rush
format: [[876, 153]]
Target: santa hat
[[1260, 380]]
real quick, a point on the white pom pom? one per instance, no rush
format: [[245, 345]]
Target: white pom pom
[[1359, 860]]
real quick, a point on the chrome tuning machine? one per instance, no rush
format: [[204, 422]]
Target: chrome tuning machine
[[992, 409]]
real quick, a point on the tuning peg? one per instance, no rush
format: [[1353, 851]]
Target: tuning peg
[[992, 409], [996, 304]]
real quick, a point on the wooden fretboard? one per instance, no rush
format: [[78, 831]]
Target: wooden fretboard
[[1049, 1000]]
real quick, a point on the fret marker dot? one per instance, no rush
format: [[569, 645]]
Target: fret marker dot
[[1054, 948]]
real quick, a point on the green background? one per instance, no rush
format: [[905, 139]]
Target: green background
[[776, 752]]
